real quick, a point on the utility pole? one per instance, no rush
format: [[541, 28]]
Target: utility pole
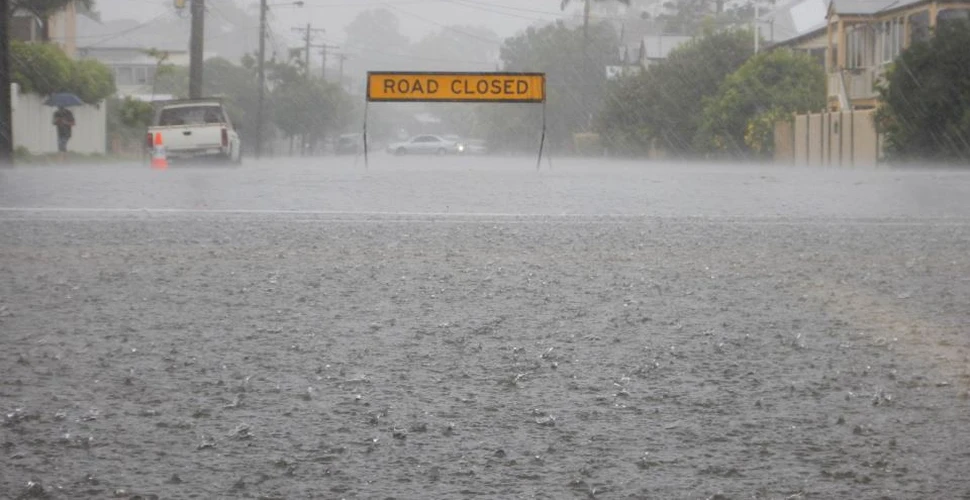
[[757, 34], [340, 78], [306, 58], [196, 49], [261, 69], [6, 109], [308, 39], [323, 51]]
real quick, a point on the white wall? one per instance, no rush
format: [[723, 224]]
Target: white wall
[[32, 127]]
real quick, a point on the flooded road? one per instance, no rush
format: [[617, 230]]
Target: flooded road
[[442, 328]]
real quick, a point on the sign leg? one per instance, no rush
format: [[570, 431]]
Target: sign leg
[[542, 139], [365, 135]]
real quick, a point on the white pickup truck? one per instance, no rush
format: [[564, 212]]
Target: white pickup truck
[[195, 128]]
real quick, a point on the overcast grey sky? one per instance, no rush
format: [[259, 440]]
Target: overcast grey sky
[[505, 17]]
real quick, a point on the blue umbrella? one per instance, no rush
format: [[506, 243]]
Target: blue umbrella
[[63, 100]]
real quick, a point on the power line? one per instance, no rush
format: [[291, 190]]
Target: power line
[[558, 15], [365, 4], [450, 28], [112, 36], [482, 8], [351, 49], [418, 58], [308, 40]]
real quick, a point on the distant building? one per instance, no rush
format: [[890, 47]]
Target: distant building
[[657, 48], [61, 27], [123, 46], [646, 51], [861, 39], [865, 36], [798, 25], [629, 55]]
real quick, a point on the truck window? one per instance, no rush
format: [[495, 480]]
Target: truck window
[[191, 115]]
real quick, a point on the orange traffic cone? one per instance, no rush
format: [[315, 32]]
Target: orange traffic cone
[[159, 158]]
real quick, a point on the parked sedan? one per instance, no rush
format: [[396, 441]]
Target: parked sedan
[[425, 144]]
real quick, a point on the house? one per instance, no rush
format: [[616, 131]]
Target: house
[[61, 28], [798, 25], [31, 118], [862, 38], [865, 36], [657, 48], [124, 47], [651, 49]]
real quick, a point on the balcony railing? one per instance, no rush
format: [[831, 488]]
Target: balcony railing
[[855, 84]]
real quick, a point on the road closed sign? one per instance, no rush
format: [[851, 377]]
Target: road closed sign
[[456, 87]]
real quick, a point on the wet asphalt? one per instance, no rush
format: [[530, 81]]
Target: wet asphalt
[[475, 328]]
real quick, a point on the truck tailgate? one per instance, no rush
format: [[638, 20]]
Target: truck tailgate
[[190, 137]]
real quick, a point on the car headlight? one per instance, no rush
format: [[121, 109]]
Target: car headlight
[[461, 147]]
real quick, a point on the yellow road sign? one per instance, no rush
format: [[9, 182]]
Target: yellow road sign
[[456, 87]]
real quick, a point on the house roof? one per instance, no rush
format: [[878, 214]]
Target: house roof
[[632, 33], [126, 34], [660, 46], [868, 7], [795, 19]]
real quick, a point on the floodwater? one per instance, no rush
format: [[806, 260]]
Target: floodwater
[[459, 328]]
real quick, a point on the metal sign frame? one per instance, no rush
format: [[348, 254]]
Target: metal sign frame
[[542, 76]]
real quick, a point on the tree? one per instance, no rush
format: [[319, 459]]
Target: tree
[[309, 108], [44, 9], [692, 17], [39, 68], [374, 40], [43, 68], [91, 80], [467, 48], [586, 8], [575, 83], [127, 120], [663, 105], [306, 107], [926, 100], [769, 87]]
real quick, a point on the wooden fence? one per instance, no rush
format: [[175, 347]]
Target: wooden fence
[[844, 138]]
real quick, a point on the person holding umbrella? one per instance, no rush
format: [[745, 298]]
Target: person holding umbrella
[[63, 119]]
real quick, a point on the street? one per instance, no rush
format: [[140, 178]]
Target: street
[[472, 327]]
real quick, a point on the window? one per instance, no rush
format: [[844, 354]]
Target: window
[[890, 39], [818, 55], [919, 27], [948, 15], [141, 75], [191, 115], [124, 76], [860, 45], [900, 35]]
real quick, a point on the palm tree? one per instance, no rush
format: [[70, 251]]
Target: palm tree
[[586, 13]]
